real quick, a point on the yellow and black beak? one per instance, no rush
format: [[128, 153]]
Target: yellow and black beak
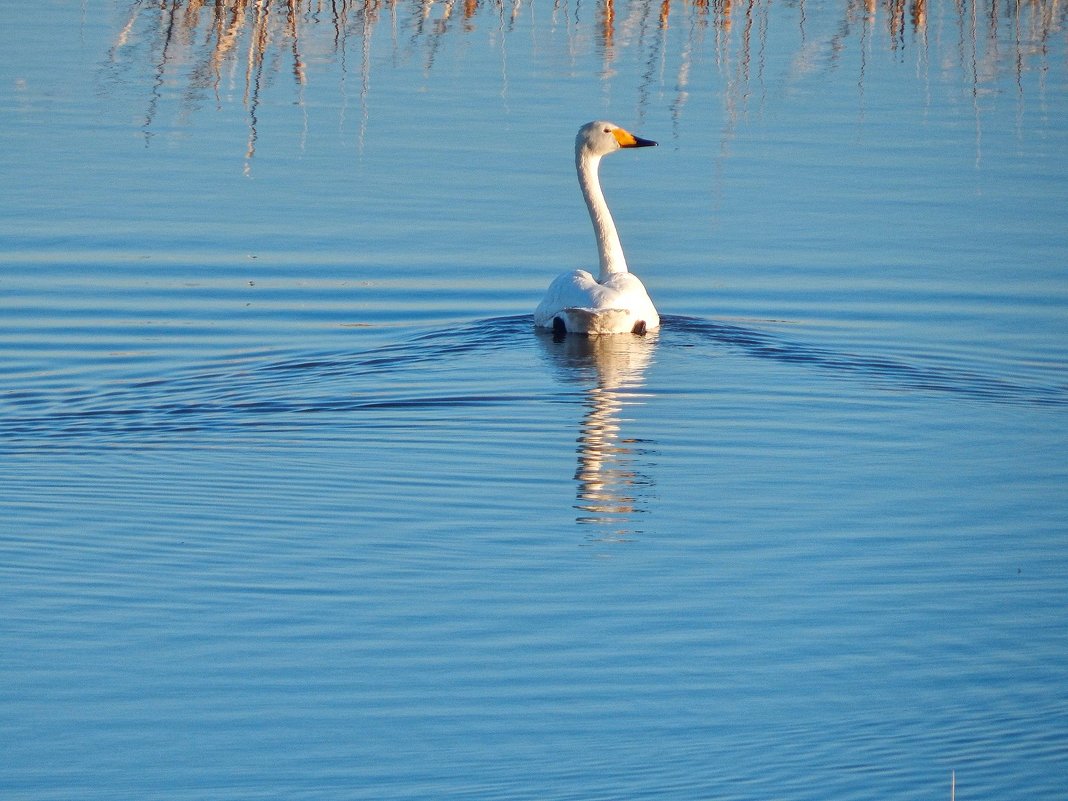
[[627, 139]]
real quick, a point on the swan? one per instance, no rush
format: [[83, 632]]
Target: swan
[[616, 301]]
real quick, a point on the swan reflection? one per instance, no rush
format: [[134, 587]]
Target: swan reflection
[[613, 486]]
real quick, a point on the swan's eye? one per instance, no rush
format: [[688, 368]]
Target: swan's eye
[[608, 130]]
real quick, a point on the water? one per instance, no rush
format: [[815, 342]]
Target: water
[[296, 503]]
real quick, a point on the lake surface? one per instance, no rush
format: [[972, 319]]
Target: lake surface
[[295, 503]]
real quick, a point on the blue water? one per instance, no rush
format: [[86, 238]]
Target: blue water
[[295, 503]]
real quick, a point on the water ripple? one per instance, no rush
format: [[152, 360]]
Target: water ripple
[[271, 392], [888, 371]]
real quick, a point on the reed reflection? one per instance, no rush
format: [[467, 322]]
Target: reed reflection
[[612, 485], [207, 47]]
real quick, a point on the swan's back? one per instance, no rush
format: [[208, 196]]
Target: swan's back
[[583, 305]]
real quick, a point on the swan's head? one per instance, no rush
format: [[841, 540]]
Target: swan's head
[[599, 138]]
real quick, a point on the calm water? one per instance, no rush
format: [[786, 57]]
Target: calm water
[[294, 503]]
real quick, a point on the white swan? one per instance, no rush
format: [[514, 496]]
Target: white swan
[[616, 301]]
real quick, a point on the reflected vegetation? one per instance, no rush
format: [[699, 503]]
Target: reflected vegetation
[[194, 52], [612, 488]]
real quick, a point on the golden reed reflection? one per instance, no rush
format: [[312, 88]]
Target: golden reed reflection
[[210, 46], [611, 488]]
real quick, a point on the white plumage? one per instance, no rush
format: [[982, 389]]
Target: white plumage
[[615, 302]]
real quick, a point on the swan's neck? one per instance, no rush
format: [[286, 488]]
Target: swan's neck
[[604, 228]]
